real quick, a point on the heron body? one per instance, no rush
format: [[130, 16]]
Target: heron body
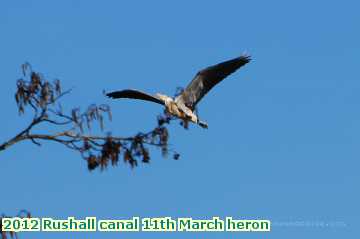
[[178, 109], [183, 106]]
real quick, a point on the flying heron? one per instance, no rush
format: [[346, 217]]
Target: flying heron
[[183, 106]]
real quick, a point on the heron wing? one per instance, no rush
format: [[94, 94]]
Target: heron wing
[[207, 78], [134, 94]]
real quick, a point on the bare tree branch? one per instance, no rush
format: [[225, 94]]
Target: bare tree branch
[[74, 128], [5, 234]]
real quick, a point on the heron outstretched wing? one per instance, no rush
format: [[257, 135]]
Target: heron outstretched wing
[[207, 78], [134, 94]]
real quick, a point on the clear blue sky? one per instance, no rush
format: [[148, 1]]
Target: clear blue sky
[[283, 138]]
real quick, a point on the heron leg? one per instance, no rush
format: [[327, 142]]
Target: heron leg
[[203, 124]]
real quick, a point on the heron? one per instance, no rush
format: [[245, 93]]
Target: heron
[[183, 105]]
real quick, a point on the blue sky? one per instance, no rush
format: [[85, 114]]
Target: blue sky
[[283, 137]]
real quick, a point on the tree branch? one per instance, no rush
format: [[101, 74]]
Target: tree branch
[[74, 128]]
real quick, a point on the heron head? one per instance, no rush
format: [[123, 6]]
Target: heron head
[[164, 98]]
